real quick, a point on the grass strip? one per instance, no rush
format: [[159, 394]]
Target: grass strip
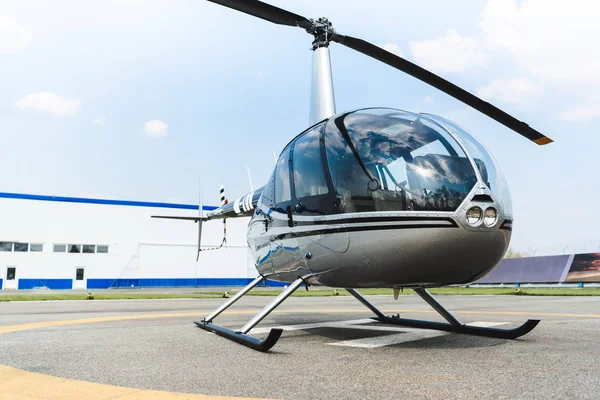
[[439, 291], [116, 296], [313, 292]]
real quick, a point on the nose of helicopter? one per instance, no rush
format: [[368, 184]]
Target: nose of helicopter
[[427, 257]]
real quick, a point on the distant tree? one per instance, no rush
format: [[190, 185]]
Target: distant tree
[[515, 254]]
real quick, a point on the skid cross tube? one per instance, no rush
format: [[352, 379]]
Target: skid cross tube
[[235, 298], [365, 302], [272, 305], [454, 324], [425, 295], [240, 336]]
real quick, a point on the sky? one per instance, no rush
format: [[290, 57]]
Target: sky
[[135, 99]]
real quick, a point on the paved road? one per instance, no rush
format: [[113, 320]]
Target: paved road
[[559, 359]]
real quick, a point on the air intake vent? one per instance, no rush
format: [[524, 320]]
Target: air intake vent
[[483, 198]]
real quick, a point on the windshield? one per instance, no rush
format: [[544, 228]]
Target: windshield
[[391, 160], [486, 164]]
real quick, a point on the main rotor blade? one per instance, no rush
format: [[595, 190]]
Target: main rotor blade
[[458, 93], [266, 11]]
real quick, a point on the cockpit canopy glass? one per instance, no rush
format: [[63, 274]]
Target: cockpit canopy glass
[[488, 167], [391, 160]]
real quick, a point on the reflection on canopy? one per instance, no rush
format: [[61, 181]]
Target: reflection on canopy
[[486, 164], [388, 160]]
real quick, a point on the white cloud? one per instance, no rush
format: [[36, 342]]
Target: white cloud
[[451, 53], [581, 112], [554, 40], [518, 91], [99, 120], [392, 48], [50, 103], [13, 36], [156, 128]]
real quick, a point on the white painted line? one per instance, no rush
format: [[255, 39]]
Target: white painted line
[[484, 324], [410, 335], [355, 324], [398, 334], [336, 324]]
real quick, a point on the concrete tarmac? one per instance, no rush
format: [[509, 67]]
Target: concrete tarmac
[[153, 345]]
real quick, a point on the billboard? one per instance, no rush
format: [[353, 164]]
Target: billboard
[[548, 269], [573, 268], [585, 268]]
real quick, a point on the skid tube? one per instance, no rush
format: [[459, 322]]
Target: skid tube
[[247, 340], [240, 336], [453, 325]]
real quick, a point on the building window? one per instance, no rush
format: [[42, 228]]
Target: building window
[[60, 248], [89, 248], [22, 247], [74, 248], [36, 248], [102, 249], [6, 246], [11, 273]]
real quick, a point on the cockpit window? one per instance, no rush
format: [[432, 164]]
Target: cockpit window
[[283, 193], [309, 177], [389, 160]]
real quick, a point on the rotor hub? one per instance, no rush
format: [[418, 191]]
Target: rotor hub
[[322, 30]]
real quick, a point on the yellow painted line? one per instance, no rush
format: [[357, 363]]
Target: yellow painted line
[[18, 384]]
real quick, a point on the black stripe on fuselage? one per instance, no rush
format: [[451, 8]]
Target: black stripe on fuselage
[[441, 223], [376, 219]]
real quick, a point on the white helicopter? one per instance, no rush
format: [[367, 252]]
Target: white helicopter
[[374, 198]]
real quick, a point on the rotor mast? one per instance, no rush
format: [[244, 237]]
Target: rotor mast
[[322, 99]]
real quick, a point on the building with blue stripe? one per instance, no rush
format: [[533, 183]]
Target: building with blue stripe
[[59, 242]]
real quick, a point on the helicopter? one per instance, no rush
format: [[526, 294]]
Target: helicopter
[[373, 198]]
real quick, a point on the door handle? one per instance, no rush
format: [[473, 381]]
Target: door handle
[[290, 216]]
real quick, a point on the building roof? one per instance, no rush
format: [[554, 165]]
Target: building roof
[[130, 203]]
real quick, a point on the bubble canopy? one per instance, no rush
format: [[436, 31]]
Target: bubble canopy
[[487, 166], [392, 160]]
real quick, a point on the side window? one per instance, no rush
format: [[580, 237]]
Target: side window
[[283, 192], [309, 177]]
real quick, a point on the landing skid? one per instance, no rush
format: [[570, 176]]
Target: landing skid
[[465, 329], [240, 336], [453, 325], [246, 340]]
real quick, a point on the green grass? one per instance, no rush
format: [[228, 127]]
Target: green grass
[[116, 296], [440, 291], [313, 292]]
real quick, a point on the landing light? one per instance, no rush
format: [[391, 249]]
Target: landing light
[[474, 215], [490, 217]]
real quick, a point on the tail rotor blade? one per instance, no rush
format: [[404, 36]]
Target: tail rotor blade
[[445, 86], [199, 240]]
